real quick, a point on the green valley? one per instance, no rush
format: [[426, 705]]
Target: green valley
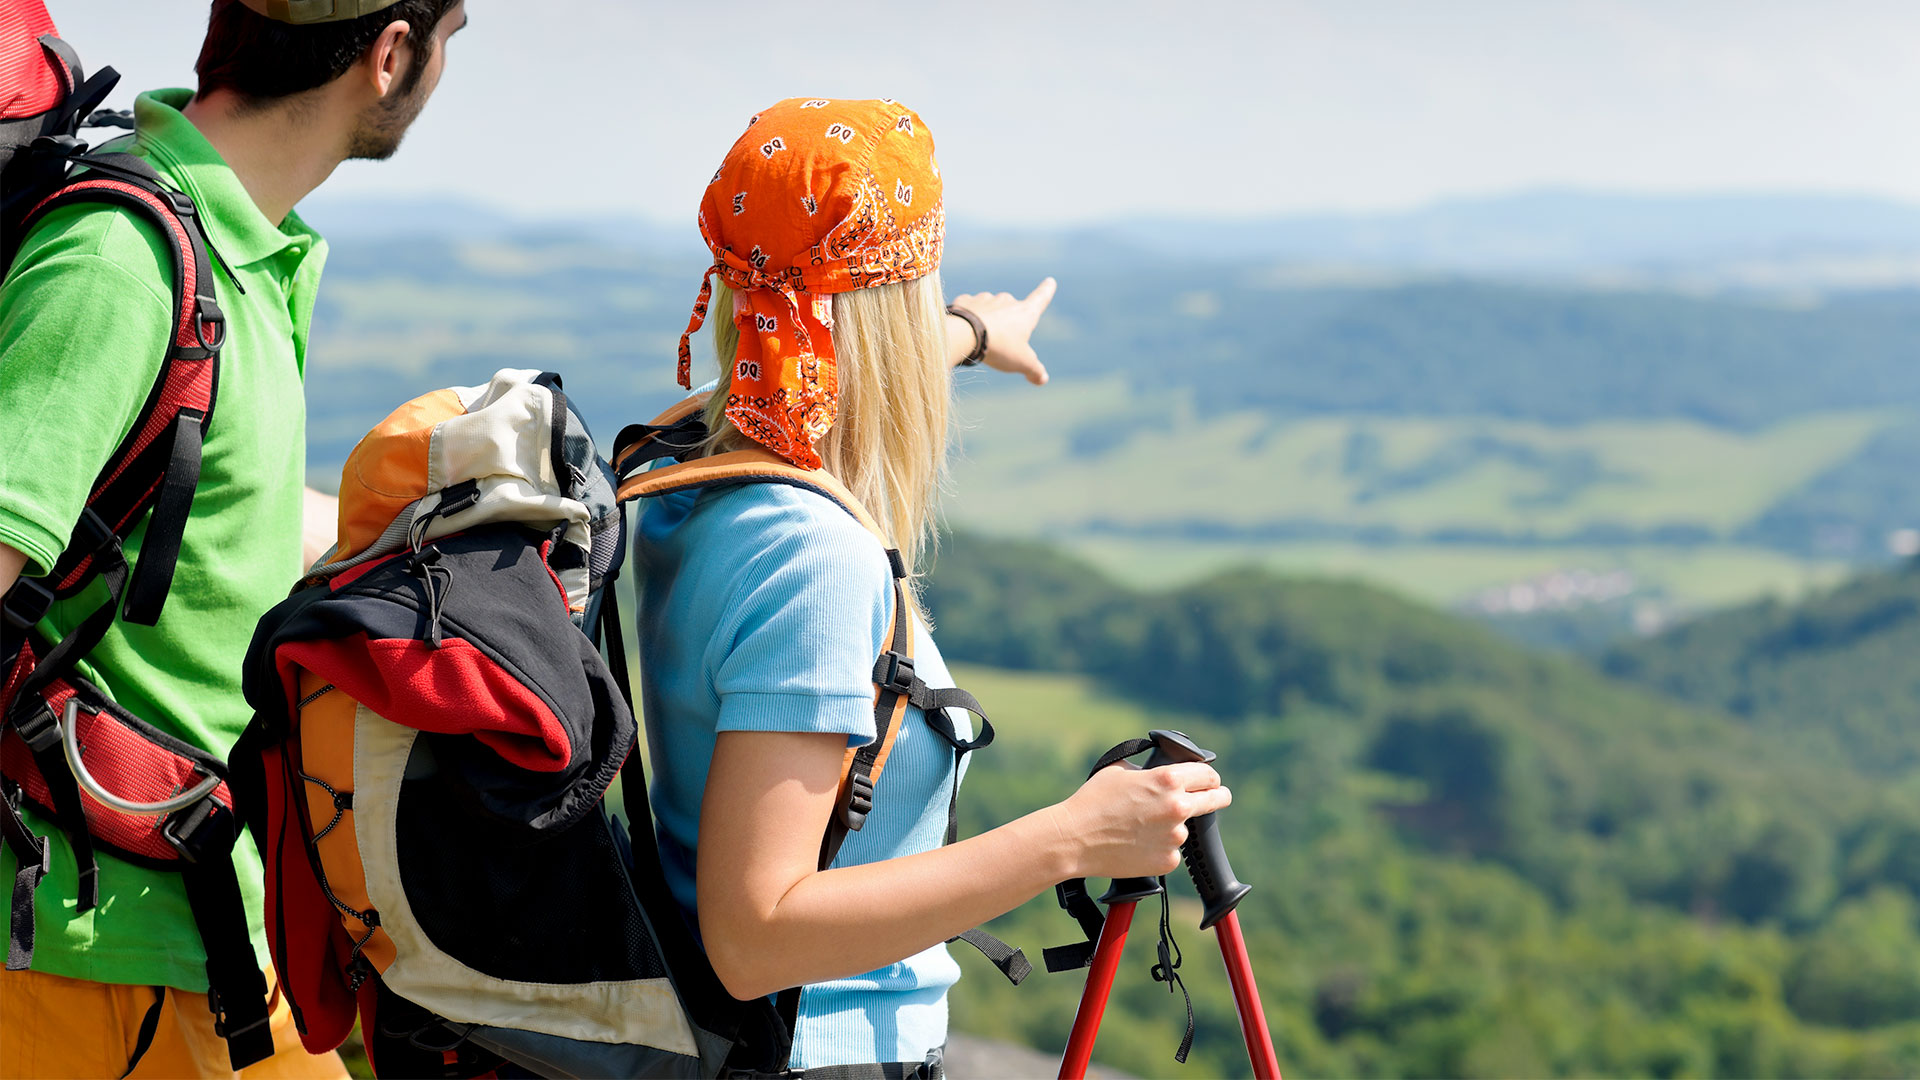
[[1467, 860]]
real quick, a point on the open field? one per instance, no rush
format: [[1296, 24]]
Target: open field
[[1436, 508], [1082, 455], [1687, 577], [1437, 438]]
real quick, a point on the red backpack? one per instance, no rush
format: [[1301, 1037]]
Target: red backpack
[[149, 798]]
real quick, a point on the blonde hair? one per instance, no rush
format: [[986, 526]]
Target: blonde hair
[[888, 445]]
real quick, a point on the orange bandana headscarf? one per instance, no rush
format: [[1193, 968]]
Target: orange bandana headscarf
[[818, 197]]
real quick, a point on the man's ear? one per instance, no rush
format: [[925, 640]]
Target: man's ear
[[388, 57]]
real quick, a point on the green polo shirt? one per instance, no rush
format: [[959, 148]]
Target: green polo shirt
[[85, 316]]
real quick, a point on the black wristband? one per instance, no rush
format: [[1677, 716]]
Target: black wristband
[[979, 352]]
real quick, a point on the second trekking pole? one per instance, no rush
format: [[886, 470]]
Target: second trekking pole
[[1220, 892]]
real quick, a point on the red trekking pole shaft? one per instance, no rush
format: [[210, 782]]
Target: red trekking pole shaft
[[1220, 893], [1093, 1000], [1246, 998]]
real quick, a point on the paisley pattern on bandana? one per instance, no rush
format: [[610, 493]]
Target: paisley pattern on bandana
[[819, 196]]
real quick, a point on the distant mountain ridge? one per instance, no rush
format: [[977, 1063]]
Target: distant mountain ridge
[[1542, 232], [1563, 232]]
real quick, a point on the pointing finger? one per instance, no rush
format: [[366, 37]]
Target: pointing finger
[[1042, 295]]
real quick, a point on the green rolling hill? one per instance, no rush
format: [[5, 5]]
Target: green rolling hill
[[1834, 675], [1468, 859]]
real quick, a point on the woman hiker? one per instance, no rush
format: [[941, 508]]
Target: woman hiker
[[764, 606]]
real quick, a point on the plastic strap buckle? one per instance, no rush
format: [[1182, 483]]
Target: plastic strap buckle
[[93, 532], [57, 146], [39, 728], [894, 672], [26, 604], [859, 799], [196, 832], [218, 1008]]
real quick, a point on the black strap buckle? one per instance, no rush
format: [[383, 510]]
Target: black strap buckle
[[894, 672], [220, 1025], [26, 604], [92, 533], [39, 728], [199, 831], [46, 855], [16, 835], [57, 146], [859, 799]]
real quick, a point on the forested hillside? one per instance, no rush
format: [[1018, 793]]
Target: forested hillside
[[1467, 859], [1837, 674]]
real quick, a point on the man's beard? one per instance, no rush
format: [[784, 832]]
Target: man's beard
[[385, 124]]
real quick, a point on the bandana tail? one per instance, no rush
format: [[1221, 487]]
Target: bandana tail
[[698, 320]]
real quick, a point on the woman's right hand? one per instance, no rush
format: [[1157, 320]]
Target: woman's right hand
[[1126, 821]]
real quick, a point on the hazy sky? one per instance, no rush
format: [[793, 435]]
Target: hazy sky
[[1061, 111]]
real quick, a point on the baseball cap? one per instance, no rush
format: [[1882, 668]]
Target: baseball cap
[[305, 12]]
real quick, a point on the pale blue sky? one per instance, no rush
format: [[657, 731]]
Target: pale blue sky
[[1057, 112]]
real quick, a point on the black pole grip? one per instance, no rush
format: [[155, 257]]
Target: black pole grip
[[1168, 747], [1205, 855], [1212, 874]]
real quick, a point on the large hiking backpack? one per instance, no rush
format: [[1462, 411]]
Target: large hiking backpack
[[435, 735], [150, 799]]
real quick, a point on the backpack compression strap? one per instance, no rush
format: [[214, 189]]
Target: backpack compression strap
[[896, 684], [863, 765], [157, 465]]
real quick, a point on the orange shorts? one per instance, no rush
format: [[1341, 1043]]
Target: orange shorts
[[52, 1026]]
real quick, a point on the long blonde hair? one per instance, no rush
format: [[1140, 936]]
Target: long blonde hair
[[889, 443]]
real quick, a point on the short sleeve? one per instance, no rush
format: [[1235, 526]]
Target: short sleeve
[[804, 625], [82, 337]]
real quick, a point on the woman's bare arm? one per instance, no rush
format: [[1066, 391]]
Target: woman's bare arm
[[1010, 322], [771, 919]]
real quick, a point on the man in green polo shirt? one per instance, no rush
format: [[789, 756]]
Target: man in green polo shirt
[[288, 90]]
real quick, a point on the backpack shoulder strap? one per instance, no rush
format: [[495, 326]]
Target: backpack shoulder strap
[[896, 686], [893, 670], [157, 464]]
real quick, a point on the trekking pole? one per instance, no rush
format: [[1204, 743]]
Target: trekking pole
[[1220, 892], [1246, 999], [1120, 901]]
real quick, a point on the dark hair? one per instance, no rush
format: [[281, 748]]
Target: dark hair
[[261, 59]]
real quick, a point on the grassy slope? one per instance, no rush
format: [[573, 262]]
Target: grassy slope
[[1067, 450], [1099, 468], [1709, 575]]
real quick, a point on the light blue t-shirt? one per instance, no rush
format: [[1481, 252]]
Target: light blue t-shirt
[[762, 608]]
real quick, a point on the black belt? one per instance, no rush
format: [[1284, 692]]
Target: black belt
[[933, 1068]]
